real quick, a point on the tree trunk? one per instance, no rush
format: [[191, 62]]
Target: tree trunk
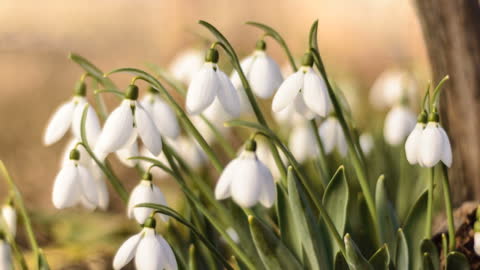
[[451, 29]]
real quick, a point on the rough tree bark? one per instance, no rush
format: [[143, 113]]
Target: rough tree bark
[[451, 29]]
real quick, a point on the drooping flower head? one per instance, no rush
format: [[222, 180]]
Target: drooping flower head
[[391, 87], [399, 122], [125, 124], [163, 116], [262, 72], [186, 64], [434, 143], [210, 84], [247, 180], [412, 145], [366, 143], [145, 192], [68, 116], [332, 136], [302, 141], [306, 90], [151, 250], [5, 253], [9, 215]]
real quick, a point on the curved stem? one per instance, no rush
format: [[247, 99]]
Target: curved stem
[[428, 230], [448, 209]]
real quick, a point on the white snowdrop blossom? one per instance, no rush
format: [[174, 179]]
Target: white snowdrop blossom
[[399, 122], [99, 178], [191, 152], [145, 192], [150, 250], [161, 113], [476, 243], [332, 136], [435, 145], [302, 142], [306, 90], [366, 143], [391, 87], [233, 234], [205, 130], [155, 171], [247, 180], [68, 117], [74, 185], [9, 215], [186, 65], [262, 72], [5, 255], [210, 84], [125, 124], [288, 116], [124, 154], [265, 155], [412, 145]]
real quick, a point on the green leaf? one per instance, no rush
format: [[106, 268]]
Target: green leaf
[[272, 251], [381, 259], [355, 259], [457, 261], [340, 262], [288, 220], [415, 230], [92, 70], [336, 198], [312, 40], [427, 246], [42, 261], [192, 262], [386, 215], [427, 263], [401, 256]]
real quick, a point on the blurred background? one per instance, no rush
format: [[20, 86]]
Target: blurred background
[[358, 40]]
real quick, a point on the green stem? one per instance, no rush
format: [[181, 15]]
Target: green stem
[[322, 160], [11, 240], [448, 208], [431, 178]]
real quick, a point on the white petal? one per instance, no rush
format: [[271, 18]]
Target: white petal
[[127, 152], [101, 186], [10, 217], [246, 65], [59, 123], [315, 93], [476, 243], [366, 143], [5, 256], [185, 65], [399, 122], [447, 149], [227, 95], [302, 109], [246, 184], [431, 145], [92, 123], [287, 91], [328, 134], [117, 131], [202, 90], [126, 252], [171, 263], [147, 131], [164, 118], [150, 255], [412, 145], [191, 152], [145, 192], [66, 189], [265, 76], [222, 189], [216, 114], [88, 185], [268, 194], [302, 142]]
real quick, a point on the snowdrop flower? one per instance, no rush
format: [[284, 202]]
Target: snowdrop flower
[[399, 122], [127, 122], [302, 142], [186, 65], [10, 217], [391, 87], [163, 116], [5, 254], [145, 192], [262, 72], [69, 116], [306, 90], [205, 129], [434, 144], [99, 178], [366, 143], [191, 152], [124, 154], [476, 243], [265, 155], [412, 145], [332, 136], [247, 180], [210, 84], [288, 116], [74, 184], [151, 251], [155, 171]]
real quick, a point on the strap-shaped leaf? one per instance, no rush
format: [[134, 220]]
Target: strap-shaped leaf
[[355, 259], [92, 70], [340, 262], [415, 230], [287, 219], [457, 261], [336, 198], [386, 215], [380, 260], [401, 256], [192, 262], [429, 247], [274, 254], [427, 263]]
